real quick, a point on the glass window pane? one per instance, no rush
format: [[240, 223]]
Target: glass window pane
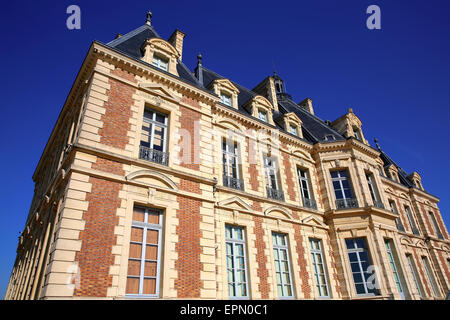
[[150, 269], [149, 286], [134, 267], [151, 252], [153, 217], [135, 251], [138, 214], [132, 285], [152, 236], [136, 234]]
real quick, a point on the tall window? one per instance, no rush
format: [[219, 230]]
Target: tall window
[[236, 262], [413, 270], [226, 99], [359, 264], [411, 220], [319, 268], [373, 191], [145, 253], [271, 172], [231, 174], [398, 222], [343, 190], [435, 225], [154, 137], [304, 182], [282, 266], [430, 276], [262, 115], [160, 62], [398, 276]]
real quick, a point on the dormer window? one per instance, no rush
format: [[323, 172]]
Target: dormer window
[[262, 115], [329, 137], [293, 130], [225, 99], [160, 63], [357, 134]]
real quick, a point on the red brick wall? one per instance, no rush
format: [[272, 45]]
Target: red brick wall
[[261, 258], [333, 273], [187, 120], [118, 111], [301, 262], [444, 265], [252, 169], [188, 264], [191, 186], [108, 166], [95, 257]]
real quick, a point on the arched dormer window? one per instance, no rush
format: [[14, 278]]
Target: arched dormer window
[[161, 54], [227, 92], [416, 179], [292, 124], [392, 172], [260, 108]]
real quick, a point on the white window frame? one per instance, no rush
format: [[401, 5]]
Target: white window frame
[[278, 248], [434, 224], [305, 193], [148, 226], [315, 253], [160, 62], [263, 115], [153, 123], [372, 187], [234, 243], [231, 153], [226, 99], [340, 178], [412, 223], [270, 167], [293, 129], [362, 272]]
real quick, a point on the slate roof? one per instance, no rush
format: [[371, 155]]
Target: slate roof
[[314, 129]]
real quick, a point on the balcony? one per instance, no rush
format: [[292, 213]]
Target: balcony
[[349, 203], [309, 203], [234, 183], [378, 204], [153, 155], [275, 194]]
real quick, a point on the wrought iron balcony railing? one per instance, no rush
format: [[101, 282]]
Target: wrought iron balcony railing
[[232, 182], [309, 203], [346, 203], [154, 155], [275, 194], [378, 204]]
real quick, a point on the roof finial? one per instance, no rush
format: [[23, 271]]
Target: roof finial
[[350, 110], [149, 18], [376, 143], [199, 59]]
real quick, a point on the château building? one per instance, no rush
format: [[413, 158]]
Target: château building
[[161, 182]]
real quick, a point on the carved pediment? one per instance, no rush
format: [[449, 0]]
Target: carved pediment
[[235, 203], [313, 220], [278, 212], [405, 240], [153, 179], [158, 90]]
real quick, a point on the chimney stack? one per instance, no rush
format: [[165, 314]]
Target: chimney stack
[[176, 39]]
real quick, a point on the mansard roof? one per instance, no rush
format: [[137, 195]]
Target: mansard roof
[[314, 129], [130, 45]]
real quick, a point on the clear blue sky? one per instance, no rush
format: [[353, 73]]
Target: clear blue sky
[[396, 79]]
